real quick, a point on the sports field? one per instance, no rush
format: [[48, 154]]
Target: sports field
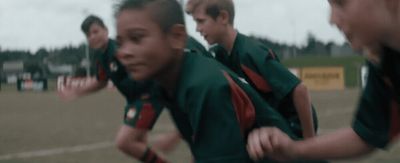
[[39, 128]]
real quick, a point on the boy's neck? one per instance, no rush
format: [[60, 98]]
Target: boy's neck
[[104, 47], [228, 40], [169, 77]]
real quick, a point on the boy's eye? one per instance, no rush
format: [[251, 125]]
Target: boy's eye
[[119, 43], [136, 37], [199, 21]]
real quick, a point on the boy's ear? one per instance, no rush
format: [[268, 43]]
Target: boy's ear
[[177, 36], [224, 17]]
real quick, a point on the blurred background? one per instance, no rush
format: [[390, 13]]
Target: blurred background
[[41, 40]]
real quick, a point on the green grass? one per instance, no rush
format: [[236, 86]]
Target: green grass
[[351, 64]]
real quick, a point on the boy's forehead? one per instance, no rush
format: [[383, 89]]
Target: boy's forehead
[[96, 26], [136, 20], [134, 14]]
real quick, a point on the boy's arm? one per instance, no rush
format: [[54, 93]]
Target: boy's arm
[[166, 142], [302, 103], [272, 142], [139, 118], [344, 143], [283, 83], [373, 127], [72, 88], [137, 146]]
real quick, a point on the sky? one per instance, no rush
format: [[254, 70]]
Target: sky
[[32, 24]]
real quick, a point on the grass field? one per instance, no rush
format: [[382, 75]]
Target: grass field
[[39, 128]]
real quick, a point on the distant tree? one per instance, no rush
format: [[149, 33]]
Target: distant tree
[[42, 53], [329, 47]]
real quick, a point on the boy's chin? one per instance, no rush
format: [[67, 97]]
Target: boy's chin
[[139, 77], [211, 42]]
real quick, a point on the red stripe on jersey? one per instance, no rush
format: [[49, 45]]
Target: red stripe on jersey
[[257, 79], [394, 120], [146, 117], [244, 109], [101, 72]]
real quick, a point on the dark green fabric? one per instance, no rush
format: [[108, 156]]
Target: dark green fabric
[[193, 44], [203, 110], [262, 61], [134, 114], [373, 119]]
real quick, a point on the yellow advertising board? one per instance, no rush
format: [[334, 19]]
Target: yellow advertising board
[[323, 78]]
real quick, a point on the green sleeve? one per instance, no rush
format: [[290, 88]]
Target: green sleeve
[[143, 112], [278, 77], [372, 119], [217, 133], [222, 116], [265, 114]]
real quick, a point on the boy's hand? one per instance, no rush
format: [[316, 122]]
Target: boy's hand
[[67, 94], [270, 142]]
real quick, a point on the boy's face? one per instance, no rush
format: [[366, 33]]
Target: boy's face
[[363, 22], [144, 49], [211, 29], [97, 36]]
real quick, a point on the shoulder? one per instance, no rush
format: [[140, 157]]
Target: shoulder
[[254, 50], [200, 72]]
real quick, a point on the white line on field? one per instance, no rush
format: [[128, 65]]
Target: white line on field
[[55, 151]]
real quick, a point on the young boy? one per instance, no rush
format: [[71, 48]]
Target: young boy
[[141, 109], [370, 24], [212, 108], [255, 63]]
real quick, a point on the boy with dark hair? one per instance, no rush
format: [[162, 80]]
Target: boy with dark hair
[[89, 21], [213, 109], [142, 108], [256, 63], [368, 24]]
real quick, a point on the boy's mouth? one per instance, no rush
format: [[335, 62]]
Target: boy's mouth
[[134, 67]]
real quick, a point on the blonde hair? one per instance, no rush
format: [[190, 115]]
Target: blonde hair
[[212, 8]]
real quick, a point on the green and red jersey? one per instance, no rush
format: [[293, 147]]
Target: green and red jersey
[[142, 109], [377, 120], [140, 103], [214, 110], [258, 65]]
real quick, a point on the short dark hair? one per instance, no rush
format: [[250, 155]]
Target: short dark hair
[[214, 7], [89, 21], [166, 13]]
